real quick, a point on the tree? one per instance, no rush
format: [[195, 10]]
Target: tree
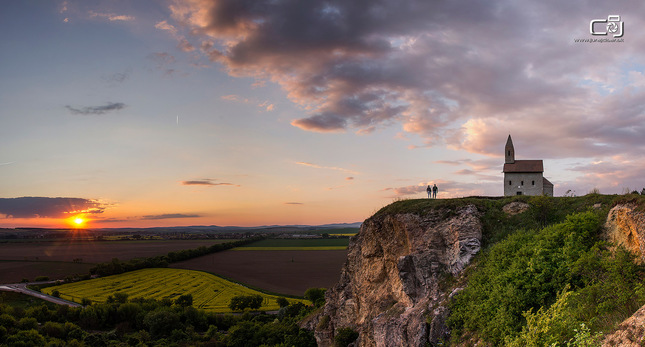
[[121, 297], [26, 338], [282, 302], [184, 300], [241, 302], [161, 322], [316, 296]]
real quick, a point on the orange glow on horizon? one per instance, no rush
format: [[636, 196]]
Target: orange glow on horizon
[[77, 221]]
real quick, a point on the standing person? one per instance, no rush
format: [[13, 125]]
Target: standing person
[[429, 190], [434, 191]]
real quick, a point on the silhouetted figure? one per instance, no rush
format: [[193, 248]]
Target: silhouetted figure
[[434, 191], [429, 190]]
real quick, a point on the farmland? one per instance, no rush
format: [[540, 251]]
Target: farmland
[[209, 292], [289, 272], [296, 244], [57, 259]]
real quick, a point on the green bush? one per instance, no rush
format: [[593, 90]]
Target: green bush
[[345, 336], [516, 284], [316, 296], [242, 302]]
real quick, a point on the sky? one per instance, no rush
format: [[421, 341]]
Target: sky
[[236, 112]]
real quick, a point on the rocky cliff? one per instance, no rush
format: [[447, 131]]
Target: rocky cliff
[[390, 287], [626, 226]]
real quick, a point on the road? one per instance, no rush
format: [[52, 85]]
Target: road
[[22, 288]]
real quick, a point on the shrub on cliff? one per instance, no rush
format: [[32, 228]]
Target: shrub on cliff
[[525, 272]]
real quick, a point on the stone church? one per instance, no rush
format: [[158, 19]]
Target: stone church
[[524, 177]]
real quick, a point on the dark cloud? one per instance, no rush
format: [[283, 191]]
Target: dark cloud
[[90, 110], [44, 207], [118, 77], [293, 203], [463, 73], [169, 216], [206, 182]]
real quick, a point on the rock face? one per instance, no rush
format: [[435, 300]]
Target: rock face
[[389, 290], [515, 207], [626, 226]]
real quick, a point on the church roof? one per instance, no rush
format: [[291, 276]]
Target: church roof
[[546, 182], [524, 166]]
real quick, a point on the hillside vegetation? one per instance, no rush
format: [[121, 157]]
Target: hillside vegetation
[[547, 276]]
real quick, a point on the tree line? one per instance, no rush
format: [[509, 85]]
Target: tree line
[[117, 266], [147, 322]]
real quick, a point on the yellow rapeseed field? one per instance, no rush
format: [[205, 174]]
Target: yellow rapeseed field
[[209, 292]]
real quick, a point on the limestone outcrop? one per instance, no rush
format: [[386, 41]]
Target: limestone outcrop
[[626, 226], [515, 207], [390, 287]]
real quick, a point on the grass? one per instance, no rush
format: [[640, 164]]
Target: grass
[[497, 224], [296, 245], [23, 301], [209, 292]]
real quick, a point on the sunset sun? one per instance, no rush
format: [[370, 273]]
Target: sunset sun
[[78, 221]]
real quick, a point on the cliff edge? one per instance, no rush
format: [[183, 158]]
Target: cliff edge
[[390, 286], [626, 226]]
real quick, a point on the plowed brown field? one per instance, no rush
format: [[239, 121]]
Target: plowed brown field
[[284, 272]]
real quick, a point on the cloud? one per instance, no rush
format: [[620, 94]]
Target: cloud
[[447, 189], [163, 25], [118, 77], [169, 216], [45, 207], [265, 105], [464, 74], [111, 16], [206, 182], [90, 110], [349, 178], [293, 203], [326, 167]]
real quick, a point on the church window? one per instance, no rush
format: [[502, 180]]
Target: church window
[[510, 183], [533, 183], [522, 183], [519, 193]]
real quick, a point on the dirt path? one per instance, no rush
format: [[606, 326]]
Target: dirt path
[[22, 288]]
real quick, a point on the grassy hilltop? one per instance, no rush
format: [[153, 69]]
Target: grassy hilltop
[[544, 276]]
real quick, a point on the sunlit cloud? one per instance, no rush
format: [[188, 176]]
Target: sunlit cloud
[[111, 16], [169, 216], [326, 167], [265, 105], [447, 189], [206, 182], [96, 110], [436, 70], [45, 207]]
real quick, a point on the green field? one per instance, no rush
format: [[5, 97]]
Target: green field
[[209, 292], [295, 244]]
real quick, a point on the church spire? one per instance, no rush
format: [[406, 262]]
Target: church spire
[[509, 151]]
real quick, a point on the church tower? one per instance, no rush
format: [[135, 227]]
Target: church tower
[[509, 151]]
